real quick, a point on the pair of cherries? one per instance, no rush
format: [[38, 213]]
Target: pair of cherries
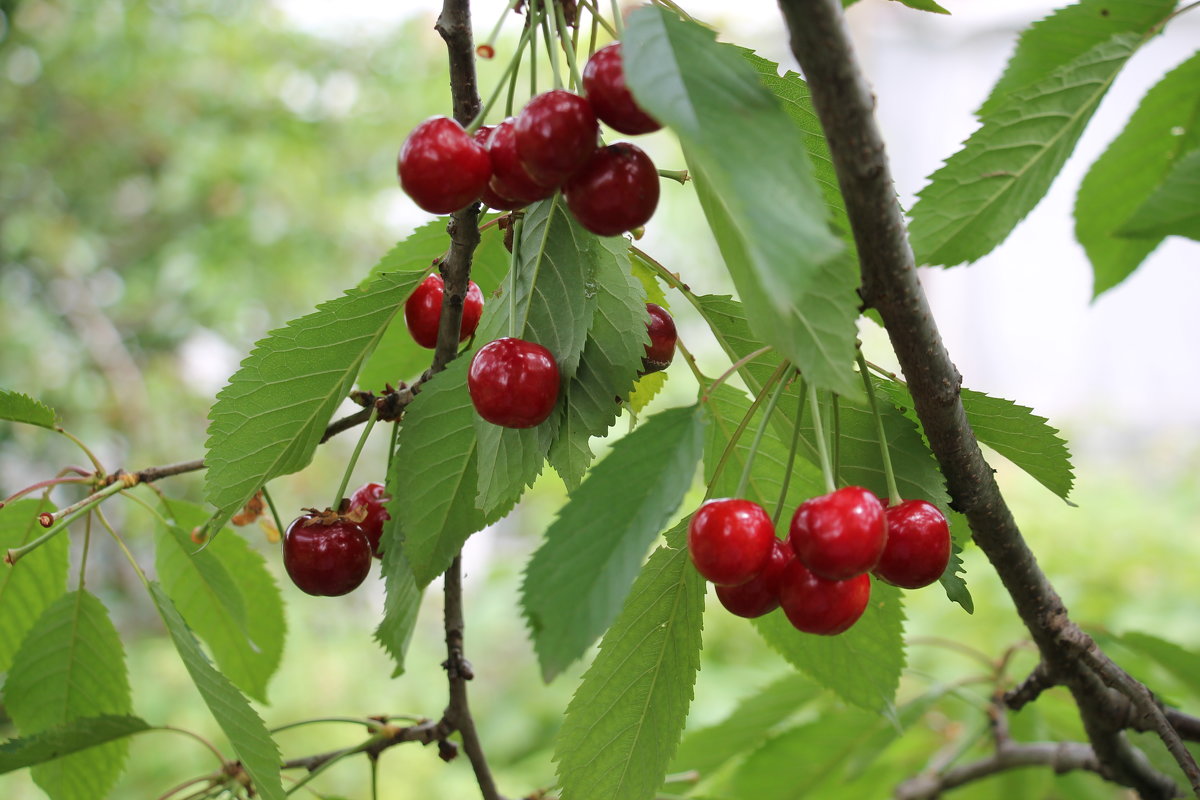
[[328, 553], [820, 574], [551, 144]]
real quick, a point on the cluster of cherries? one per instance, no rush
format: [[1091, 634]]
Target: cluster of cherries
[[551, 144], [819, 575], [329, 552]]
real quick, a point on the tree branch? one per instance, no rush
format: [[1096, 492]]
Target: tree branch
[[1059, 756]]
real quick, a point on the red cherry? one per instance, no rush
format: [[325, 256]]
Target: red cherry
[[442, 168], [324, 555], [604, 82], [815, 605], [513, 383], [510, 180], [423, 310], [918, 545], [840, 534], [663, 336], [615, 191], [760, 594], [730, 540], [489, 197], [555, 133], [371, 498]]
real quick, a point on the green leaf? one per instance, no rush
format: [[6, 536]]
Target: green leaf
[[36, 581], [623, 724], [403, 599], [1183, 664], [1005, 168], [18, 407], [1174, 207], [226, 595], [1165, 126], [924, 5], [269, 419], [239, 721], [578, 578], [1024, 438], [645, 389], [71, 665], [81, 733], [800, 287]]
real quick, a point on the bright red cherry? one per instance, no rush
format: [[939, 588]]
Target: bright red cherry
[[840, 534], [510, 180], [615, 191], [325, 555], [371, 498], [663, 336], [760, 594], [513, 383], [730, 540], [555, 134], [489, 197], [918, 545], [815, 605], [442, 168], [604, 82], [423, 310]]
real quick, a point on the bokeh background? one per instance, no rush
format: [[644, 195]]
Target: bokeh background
[[178, 177]]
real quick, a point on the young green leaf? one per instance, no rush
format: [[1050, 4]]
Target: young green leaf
[[1174, 207], [1165, 126], [37, 581], [78, 734], [403, 599], [71, 665], [578, 578], [623, 724], [18, 407], [1024, 438]]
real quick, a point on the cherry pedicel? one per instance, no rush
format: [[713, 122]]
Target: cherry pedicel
[[442, 168], [423, 311], [370, 500], [510, 180], [513, 383], [604, 82], [615, 191], [840, 534], [918, 545], [760, 594], [325, 554], [816, 605], [730, 540], [555, 134], [663, 336]]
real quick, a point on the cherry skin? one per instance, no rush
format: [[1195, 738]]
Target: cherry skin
[[918, 545], [442, 168], [663, 336], [604, 82], [730, 540], [615, 191], [760, 594], [326, 557], [513, 383], [840, 534], [815, 605], [489, 197], [510, 180], [372, 499], [555, 134], [423, 310]]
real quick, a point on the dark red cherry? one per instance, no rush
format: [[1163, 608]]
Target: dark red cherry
[[604, 83], [663, 336], [816, 605], [326, 555], [760, 594], [840, 534], [423, 311], [730, 540], [370, 500], [555, 134], [918, 545], [510, 180], [442, 168], [513, 383], [615, 191], [489, 197]]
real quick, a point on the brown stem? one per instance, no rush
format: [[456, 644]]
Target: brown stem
[[424, 732], [1059, 756]]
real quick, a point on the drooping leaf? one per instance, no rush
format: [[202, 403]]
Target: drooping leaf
[[240, 722], [71, 665], [576, 581], [624, 722], [1024, 438], [35, 582], [227, 597], [1165, 126], [800, 287], [1174, 207], [403, 595], [78, 734], [1183, 664], [18, 407], [269, 419]]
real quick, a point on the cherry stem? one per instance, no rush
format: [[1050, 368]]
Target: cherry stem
[[691, 362], [675, 7], [791, 460], [836, 437], [207, 744], [86, 451], [362, 440], [680, 175], [533, 22], [618, 22], [373, 724], [491, 40], [550, 52], [514, 265], [819, 435], [83, 559], [510, 70], [274, 512], [597, 19], [888, 473], [741, 362], [731, 445], [758, 435], [60, 520], [50, 482], [568, 46]]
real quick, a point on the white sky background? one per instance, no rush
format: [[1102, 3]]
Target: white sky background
[[1019, 323]]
